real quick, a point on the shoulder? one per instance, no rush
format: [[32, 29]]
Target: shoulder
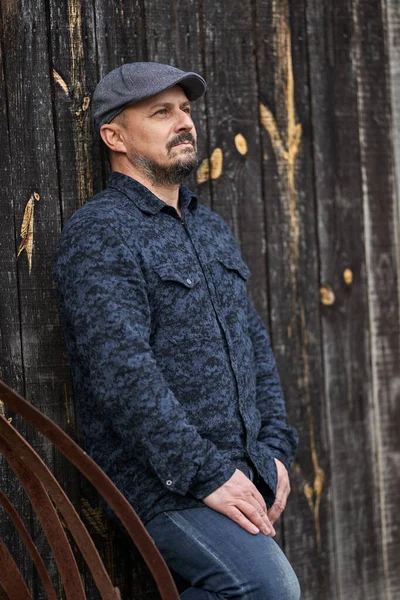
[[109, 207], [105, 223], [216, 229], [109, 213], [213, 219]]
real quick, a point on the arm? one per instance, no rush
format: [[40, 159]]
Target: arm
[[280, 437], [104, 300]]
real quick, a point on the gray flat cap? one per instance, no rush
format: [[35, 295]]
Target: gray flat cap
[[133, 82]]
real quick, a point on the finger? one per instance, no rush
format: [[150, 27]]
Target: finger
[[239, 518], [257, 501], [256, 494], [276, 509], [257, 516]]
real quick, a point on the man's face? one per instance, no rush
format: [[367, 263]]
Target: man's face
[[159, 136]]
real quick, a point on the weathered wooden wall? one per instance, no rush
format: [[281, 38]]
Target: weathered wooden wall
[[299, 138]]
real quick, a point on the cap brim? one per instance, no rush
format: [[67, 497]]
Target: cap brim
[[193, 85]]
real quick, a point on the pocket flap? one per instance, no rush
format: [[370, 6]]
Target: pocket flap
[[233, 263], [171, 272]]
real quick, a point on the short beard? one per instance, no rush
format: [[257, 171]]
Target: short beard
[[172, 174]]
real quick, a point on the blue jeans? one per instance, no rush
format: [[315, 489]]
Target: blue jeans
[[221, 560]]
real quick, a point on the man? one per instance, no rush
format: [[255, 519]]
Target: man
[[175, 382]]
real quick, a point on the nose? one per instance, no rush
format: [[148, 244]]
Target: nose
[[184, 122]]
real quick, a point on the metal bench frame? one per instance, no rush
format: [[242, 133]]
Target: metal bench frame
[[49, 501]]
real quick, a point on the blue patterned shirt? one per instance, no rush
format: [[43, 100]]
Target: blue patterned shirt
[[174, 378]]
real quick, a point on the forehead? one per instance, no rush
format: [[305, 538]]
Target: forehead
[[172, 95]]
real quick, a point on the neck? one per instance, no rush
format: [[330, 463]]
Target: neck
[[168, 193]]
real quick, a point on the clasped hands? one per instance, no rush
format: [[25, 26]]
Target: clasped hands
[[239, 499]]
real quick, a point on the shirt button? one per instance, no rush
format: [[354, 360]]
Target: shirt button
[[189, 281], [168, 482]]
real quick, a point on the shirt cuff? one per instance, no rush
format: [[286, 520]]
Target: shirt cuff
[[205, 488]]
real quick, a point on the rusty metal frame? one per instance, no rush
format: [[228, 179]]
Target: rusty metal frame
[[39, 483], [30, 546]]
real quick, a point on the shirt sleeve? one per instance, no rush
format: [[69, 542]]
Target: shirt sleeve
[[104, 304], [275, 432]]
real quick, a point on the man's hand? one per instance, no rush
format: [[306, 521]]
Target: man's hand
[[282, 492], [239, 499]]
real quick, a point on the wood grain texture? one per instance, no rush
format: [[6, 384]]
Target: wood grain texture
[[382, 257], [294, 283], [11, 367], [345, 324], [33, 159], [299, 150], [73, 66], [392, 35]]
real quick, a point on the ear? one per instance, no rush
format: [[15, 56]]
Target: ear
[[112, 136]]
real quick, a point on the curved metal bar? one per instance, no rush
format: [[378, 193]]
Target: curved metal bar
[[104, 486], [49, 521], [30, 546], [64, 505], [10, 577]]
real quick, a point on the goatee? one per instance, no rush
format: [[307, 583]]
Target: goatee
[[170, 174]]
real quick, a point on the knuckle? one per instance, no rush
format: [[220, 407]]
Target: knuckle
[[236, 516], [254, 512]]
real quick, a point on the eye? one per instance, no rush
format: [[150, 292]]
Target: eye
[[187, 110], [161, 111]]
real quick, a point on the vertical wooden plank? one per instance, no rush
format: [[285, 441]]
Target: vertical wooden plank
[[345, 318], [120, 33], [36, 207], [392, 18], [10, 349], [73, 66], [282, 65], [120, 38], [11, 370], [382, 256]]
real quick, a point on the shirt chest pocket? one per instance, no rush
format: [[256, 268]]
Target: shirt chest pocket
[[231, 275], [181, 305]]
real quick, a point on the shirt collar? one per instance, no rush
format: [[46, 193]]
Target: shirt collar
[[144, 198]]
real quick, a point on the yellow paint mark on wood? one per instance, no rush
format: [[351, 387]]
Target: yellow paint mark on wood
[[211, 167], [80, 102], [2, 410], [203, 172], [66, 402], [313, 493], [348, 276], [85, 103], [286, 141], [58, 79], [241, 144], [217, 161], [327, 295], [27, 229], [309, 493], [95, 517], [318, 483]]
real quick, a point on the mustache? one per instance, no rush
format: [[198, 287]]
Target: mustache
[[181, 137]]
